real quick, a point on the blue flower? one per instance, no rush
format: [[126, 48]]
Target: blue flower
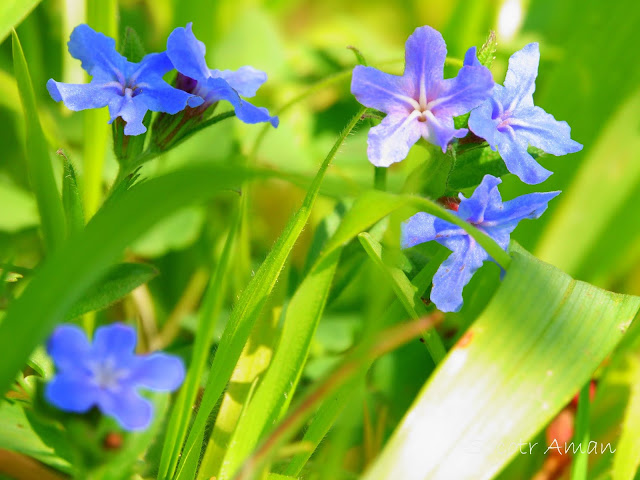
[[510, 122], [128, 89], [107, 374], [187, 55], [484, 210], [420, 103]]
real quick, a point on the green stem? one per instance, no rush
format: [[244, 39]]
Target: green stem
[[581, 437], [380, 178]]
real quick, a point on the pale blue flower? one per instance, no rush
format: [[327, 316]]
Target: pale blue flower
[[420, 103], [128, 89], [484, 210], [510, 122]]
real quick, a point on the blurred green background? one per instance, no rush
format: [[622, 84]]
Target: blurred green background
[[589, 76]]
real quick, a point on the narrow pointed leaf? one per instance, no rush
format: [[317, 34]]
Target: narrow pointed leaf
[[515, 368]]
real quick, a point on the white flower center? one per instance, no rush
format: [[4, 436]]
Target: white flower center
[[106, 374]]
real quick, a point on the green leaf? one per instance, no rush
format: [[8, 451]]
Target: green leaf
[[486, 53], [471, 165], [515, 368], [118, 282], [37, 153], [132, 48], [12, 12], [19, 436], [68, 273], [71, 199]]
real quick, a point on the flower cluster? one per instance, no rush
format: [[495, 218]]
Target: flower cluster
[[131, 89], [422, 104], [107, 374]]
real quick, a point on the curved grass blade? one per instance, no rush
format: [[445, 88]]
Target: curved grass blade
[[80, 262], [515, 368], [37, 153], [252, 300]]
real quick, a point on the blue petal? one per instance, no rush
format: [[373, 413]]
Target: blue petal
[[518, 161], [391, 141], [455, 272], [543, 131], [508, 215], [471, 59], [132, 111], [219, 89], [84, 96], [71, 393], [132, 411], [424, 227], [68, 346], [440, 130], [246, 80], [482, 124], [158, 372], [486, 197], [153, 65], [115, 340], [187, 53], [425, 53], [161, 97], [97, 52], [384, 92], [459, 95], [520, 81]]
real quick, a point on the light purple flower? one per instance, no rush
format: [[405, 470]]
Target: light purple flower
[[187, 55], [128, 89], [510, 122], [107, 374], [486, 211], [420, 103]]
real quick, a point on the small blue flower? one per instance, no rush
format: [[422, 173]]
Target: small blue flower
[[107, 374], [420, 103], [510, 122], [484, 210], [128, 89], [187, 55]]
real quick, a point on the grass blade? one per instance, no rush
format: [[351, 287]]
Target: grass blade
[[37, 153]]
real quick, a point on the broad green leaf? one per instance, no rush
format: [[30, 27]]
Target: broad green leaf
[[37, 153], [118, 282], [18, 436], [517, 365], [12, 12], [71, 199], [81, 261]]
